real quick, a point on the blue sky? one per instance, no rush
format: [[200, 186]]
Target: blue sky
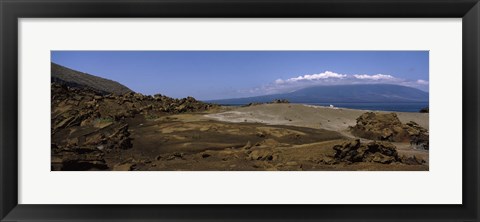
[[232, 74]]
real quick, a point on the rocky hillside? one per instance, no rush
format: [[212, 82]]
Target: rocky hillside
[[73, 78], [86, 123]]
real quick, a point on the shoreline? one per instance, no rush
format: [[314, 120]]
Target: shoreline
[[409, 107]]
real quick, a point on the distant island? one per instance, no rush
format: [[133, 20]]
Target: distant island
[[355, 93]]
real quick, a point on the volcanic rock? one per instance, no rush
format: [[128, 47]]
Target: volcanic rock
[[78, 159], [262, 154], [424, 110], [418, 136], [412, 160], [354, 151], [90, 117], [378, 126], [387, 127], [280, 101]]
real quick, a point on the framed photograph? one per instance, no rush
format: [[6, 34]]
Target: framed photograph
[[224, 110]]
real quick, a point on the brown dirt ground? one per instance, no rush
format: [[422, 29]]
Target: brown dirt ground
[[196, 142]]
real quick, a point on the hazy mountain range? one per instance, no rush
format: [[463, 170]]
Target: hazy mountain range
[[366, 93]]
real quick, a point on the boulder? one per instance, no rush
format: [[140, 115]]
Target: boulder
[[375, 152], [355, 151], [419, 137], [379, 126], [387, 127]]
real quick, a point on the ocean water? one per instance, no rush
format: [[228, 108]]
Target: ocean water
[[396, 107]]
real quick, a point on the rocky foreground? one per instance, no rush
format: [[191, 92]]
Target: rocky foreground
[[87, 123], [92, 130]]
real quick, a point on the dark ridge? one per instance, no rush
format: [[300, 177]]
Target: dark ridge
[[73, 78]]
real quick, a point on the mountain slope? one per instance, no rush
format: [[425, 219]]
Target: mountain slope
[[75, 78], [374, 93]]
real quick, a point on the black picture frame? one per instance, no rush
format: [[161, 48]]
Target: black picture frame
[[11, 11]]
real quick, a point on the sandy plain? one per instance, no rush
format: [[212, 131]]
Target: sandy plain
[[260, 137]]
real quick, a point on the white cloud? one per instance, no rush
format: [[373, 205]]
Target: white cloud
[[422, 82], [330, 78], [318, 76], [375, 77]]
